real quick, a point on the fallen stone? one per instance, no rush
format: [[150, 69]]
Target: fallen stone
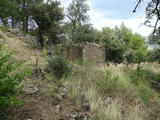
[[30, 90], [57, 108]]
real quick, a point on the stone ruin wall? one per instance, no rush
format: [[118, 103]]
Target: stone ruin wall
[[75, 52], [94, 53], [90, 52]]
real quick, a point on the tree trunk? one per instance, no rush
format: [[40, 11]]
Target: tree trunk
[[25, 19], [41, 37], [13, 22], [138, 71], [14, 16]]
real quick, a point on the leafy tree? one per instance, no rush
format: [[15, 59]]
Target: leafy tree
[[8, 8], [154, 55], [106, 35], [129, 57], [48, 17], [138, 44], [151, 56], [77, 15], [114, 48], [154, 39], [83, 34], [125, 34], [26, 5], [114, 52]]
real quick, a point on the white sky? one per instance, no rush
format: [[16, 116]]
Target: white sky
[[99, 19]]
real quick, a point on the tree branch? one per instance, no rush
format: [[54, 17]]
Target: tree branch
[[139, 1]]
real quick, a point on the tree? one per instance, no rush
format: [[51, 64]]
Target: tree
[[25, 8], [77, 15], [114, 48], [154, 39], [121, 44], [129, 57], [114, 52], [152, 11], [48, 17], [8, 8], [138, 45], [83, 34]]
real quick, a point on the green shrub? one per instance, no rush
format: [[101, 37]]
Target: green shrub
[[81, 62], [144, 92], [31, 32], [158, 78], [3, 28], [58, 66], [10, 81]]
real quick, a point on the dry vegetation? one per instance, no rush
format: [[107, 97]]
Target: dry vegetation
[[106, 89], [22, 51], [110, 94]]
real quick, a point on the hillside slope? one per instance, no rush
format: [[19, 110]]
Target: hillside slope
[[22, 51], [90, 93]]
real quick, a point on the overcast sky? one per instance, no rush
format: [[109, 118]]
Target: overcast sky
[[113, 12]]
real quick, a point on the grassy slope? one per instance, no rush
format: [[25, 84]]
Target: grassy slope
[[21, 50], [113, 95], [108, 90]]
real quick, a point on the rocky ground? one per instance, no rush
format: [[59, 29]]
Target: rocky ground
[[40, 103], [42, 97]]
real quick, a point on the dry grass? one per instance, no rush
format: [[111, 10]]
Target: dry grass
[[107, 89], [22, 52], [153, 67], [110, 94]]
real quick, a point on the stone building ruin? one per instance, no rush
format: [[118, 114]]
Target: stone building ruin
[[90, 52], [73, 52], [94, 53]]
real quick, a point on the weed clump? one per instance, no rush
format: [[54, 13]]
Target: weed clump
[[59, 67]]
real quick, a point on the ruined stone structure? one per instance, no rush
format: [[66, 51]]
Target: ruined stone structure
[[74, 52], [90, 52], [94, 53]]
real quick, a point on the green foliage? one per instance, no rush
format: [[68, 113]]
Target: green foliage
[[59, 67], [110, 83], [138, 44], [142, 79], [129, 57], [154, 39], [77, 12], [114, 48], [84, 33], [31, 32], [121, 44], [81, 62], [9, 82], [145, 93], [114, 52], [3, 28], [8, 8], [157, 78], [78, 29], [153, 55], [48, 16]]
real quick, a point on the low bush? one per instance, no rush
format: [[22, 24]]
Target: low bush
[[58, 66], [10, 81], [81, 62]]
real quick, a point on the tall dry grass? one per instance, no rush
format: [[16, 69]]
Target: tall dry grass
[[22, 51], [110, 94]]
